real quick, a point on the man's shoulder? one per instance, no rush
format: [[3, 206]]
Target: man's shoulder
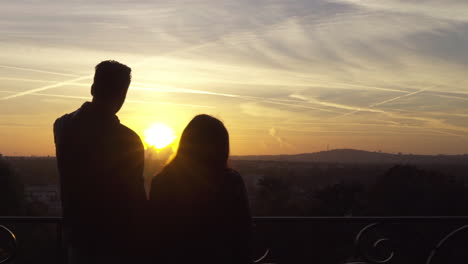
[[62, 119], [127, 131], [129, 134], [65, 118], [61, 122]]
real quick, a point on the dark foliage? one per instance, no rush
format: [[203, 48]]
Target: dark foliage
[[11, 190], [401, 191]]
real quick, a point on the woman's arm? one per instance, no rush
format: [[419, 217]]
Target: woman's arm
[[242, 221]]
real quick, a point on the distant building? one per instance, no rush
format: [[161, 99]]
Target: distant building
[[46, 194]]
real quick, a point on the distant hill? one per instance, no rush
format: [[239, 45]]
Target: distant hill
[[360, 156]]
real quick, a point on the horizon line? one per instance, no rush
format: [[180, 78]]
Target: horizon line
[[283, 154]]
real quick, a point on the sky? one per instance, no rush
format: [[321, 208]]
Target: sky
[[284, 76]]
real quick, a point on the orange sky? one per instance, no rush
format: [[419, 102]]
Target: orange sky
[[284, 77]]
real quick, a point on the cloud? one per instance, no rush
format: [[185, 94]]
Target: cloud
[[335, 105], [281, 141], [257, 110], [171, 89], [48, 87], [285, 65], [382, 103], [449, 9], [38, 71], [126, 101], [25, 80], [272, 132]]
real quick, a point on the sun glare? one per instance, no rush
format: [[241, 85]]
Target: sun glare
[[159, 136]]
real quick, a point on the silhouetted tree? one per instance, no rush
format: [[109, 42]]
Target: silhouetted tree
[[11, 190], [339, 199], [407, 190], [278, 196]]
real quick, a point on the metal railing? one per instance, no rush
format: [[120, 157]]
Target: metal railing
[[350, 240]]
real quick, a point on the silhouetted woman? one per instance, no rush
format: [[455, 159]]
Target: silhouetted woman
[[199, 205]]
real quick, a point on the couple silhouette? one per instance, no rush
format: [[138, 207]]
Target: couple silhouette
[[197, 209]]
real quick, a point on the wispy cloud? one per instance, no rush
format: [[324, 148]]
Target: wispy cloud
[[127, 101], [335, 105], [170, 89], [25, 80], [292, 66], [44, 88], [449, 9], [38, 71], [169, 103], [396, 98], [382, 103], [283, 143]]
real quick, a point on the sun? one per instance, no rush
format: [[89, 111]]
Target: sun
[[159, 135]]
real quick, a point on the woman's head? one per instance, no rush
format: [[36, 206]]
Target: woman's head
[[205, 141]]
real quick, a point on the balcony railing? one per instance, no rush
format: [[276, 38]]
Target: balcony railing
[[338, 240]]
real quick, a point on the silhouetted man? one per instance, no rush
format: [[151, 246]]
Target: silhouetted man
[[100, 163]]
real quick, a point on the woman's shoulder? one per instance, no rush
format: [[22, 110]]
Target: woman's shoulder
[[232, 172], [163, 184], [234, 177]]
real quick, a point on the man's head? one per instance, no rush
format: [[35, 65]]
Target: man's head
[[111, 81]]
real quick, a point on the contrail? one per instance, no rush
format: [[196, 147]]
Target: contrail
[[145, 60], [54, 95], [347, 107], [173, 89], [58, 84], [397, 98], [63, 96], [189, 91], [333, 105], [170, 89], [168, 103], [38, 71], [447, 133], [450, 96], [299, 106], [176, 90], [25, 80], [127, 101], [424, 129], [46, 87], [72, 81], [166, 88], [383, 102]]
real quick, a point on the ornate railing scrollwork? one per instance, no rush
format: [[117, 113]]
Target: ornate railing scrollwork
[[451, 248], [260, 247], [328, 240], [262, 257], [8, 244], [372, 247]]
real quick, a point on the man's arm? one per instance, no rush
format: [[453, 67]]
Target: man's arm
[[136, 165]]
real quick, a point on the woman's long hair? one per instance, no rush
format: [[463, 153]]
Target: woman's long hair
[[204, 145], [197, 203]]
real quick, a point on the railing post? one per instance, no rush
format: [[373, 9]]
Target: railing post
[[61, 249]]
